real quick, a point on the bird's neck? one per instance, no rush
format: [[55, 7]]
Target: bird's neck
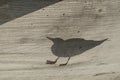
[[58, 43]]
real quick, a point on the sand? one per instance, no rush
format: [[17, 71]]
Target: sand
[[24, 47]]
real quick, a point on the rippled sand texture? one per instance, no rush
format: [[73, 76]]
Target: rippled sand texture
[[24, 48]]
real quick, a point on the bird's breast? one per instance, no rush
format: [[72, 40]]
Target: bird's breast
[[60, 50]]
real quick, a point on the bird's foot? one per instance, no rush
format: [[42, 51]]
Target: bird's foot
[[63, 64], [50, 62]]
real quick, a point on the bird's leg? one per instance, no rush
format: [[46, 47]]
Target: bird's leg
[[65, 63], [51, 62]]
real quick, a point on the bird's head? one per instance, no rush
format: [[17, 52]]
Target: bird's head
[[56, 40]]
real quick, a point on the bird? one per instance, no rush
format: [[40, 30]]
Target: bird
[[71, 47]]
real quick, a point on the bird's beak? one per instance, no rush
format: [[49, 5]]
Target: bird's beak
[[50, 38]]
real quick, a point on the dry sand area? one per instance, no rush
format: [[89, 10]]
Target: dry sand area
[[24, 48]]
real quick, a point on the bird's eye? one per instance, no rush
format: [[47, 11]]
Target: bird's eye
[[80, 47]]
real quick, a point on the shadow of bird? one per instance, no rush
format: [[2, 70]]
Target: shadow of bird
[[71, 47]]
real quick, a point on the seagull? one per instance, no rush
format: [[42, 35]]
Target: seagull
[[71, 47]]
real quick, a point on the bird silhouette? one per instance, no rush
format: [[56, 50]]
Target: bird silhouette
[[71, 47]]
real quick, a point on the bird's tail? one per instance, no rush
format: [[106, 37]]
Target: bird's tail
[[105, 39], [101, 41]]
